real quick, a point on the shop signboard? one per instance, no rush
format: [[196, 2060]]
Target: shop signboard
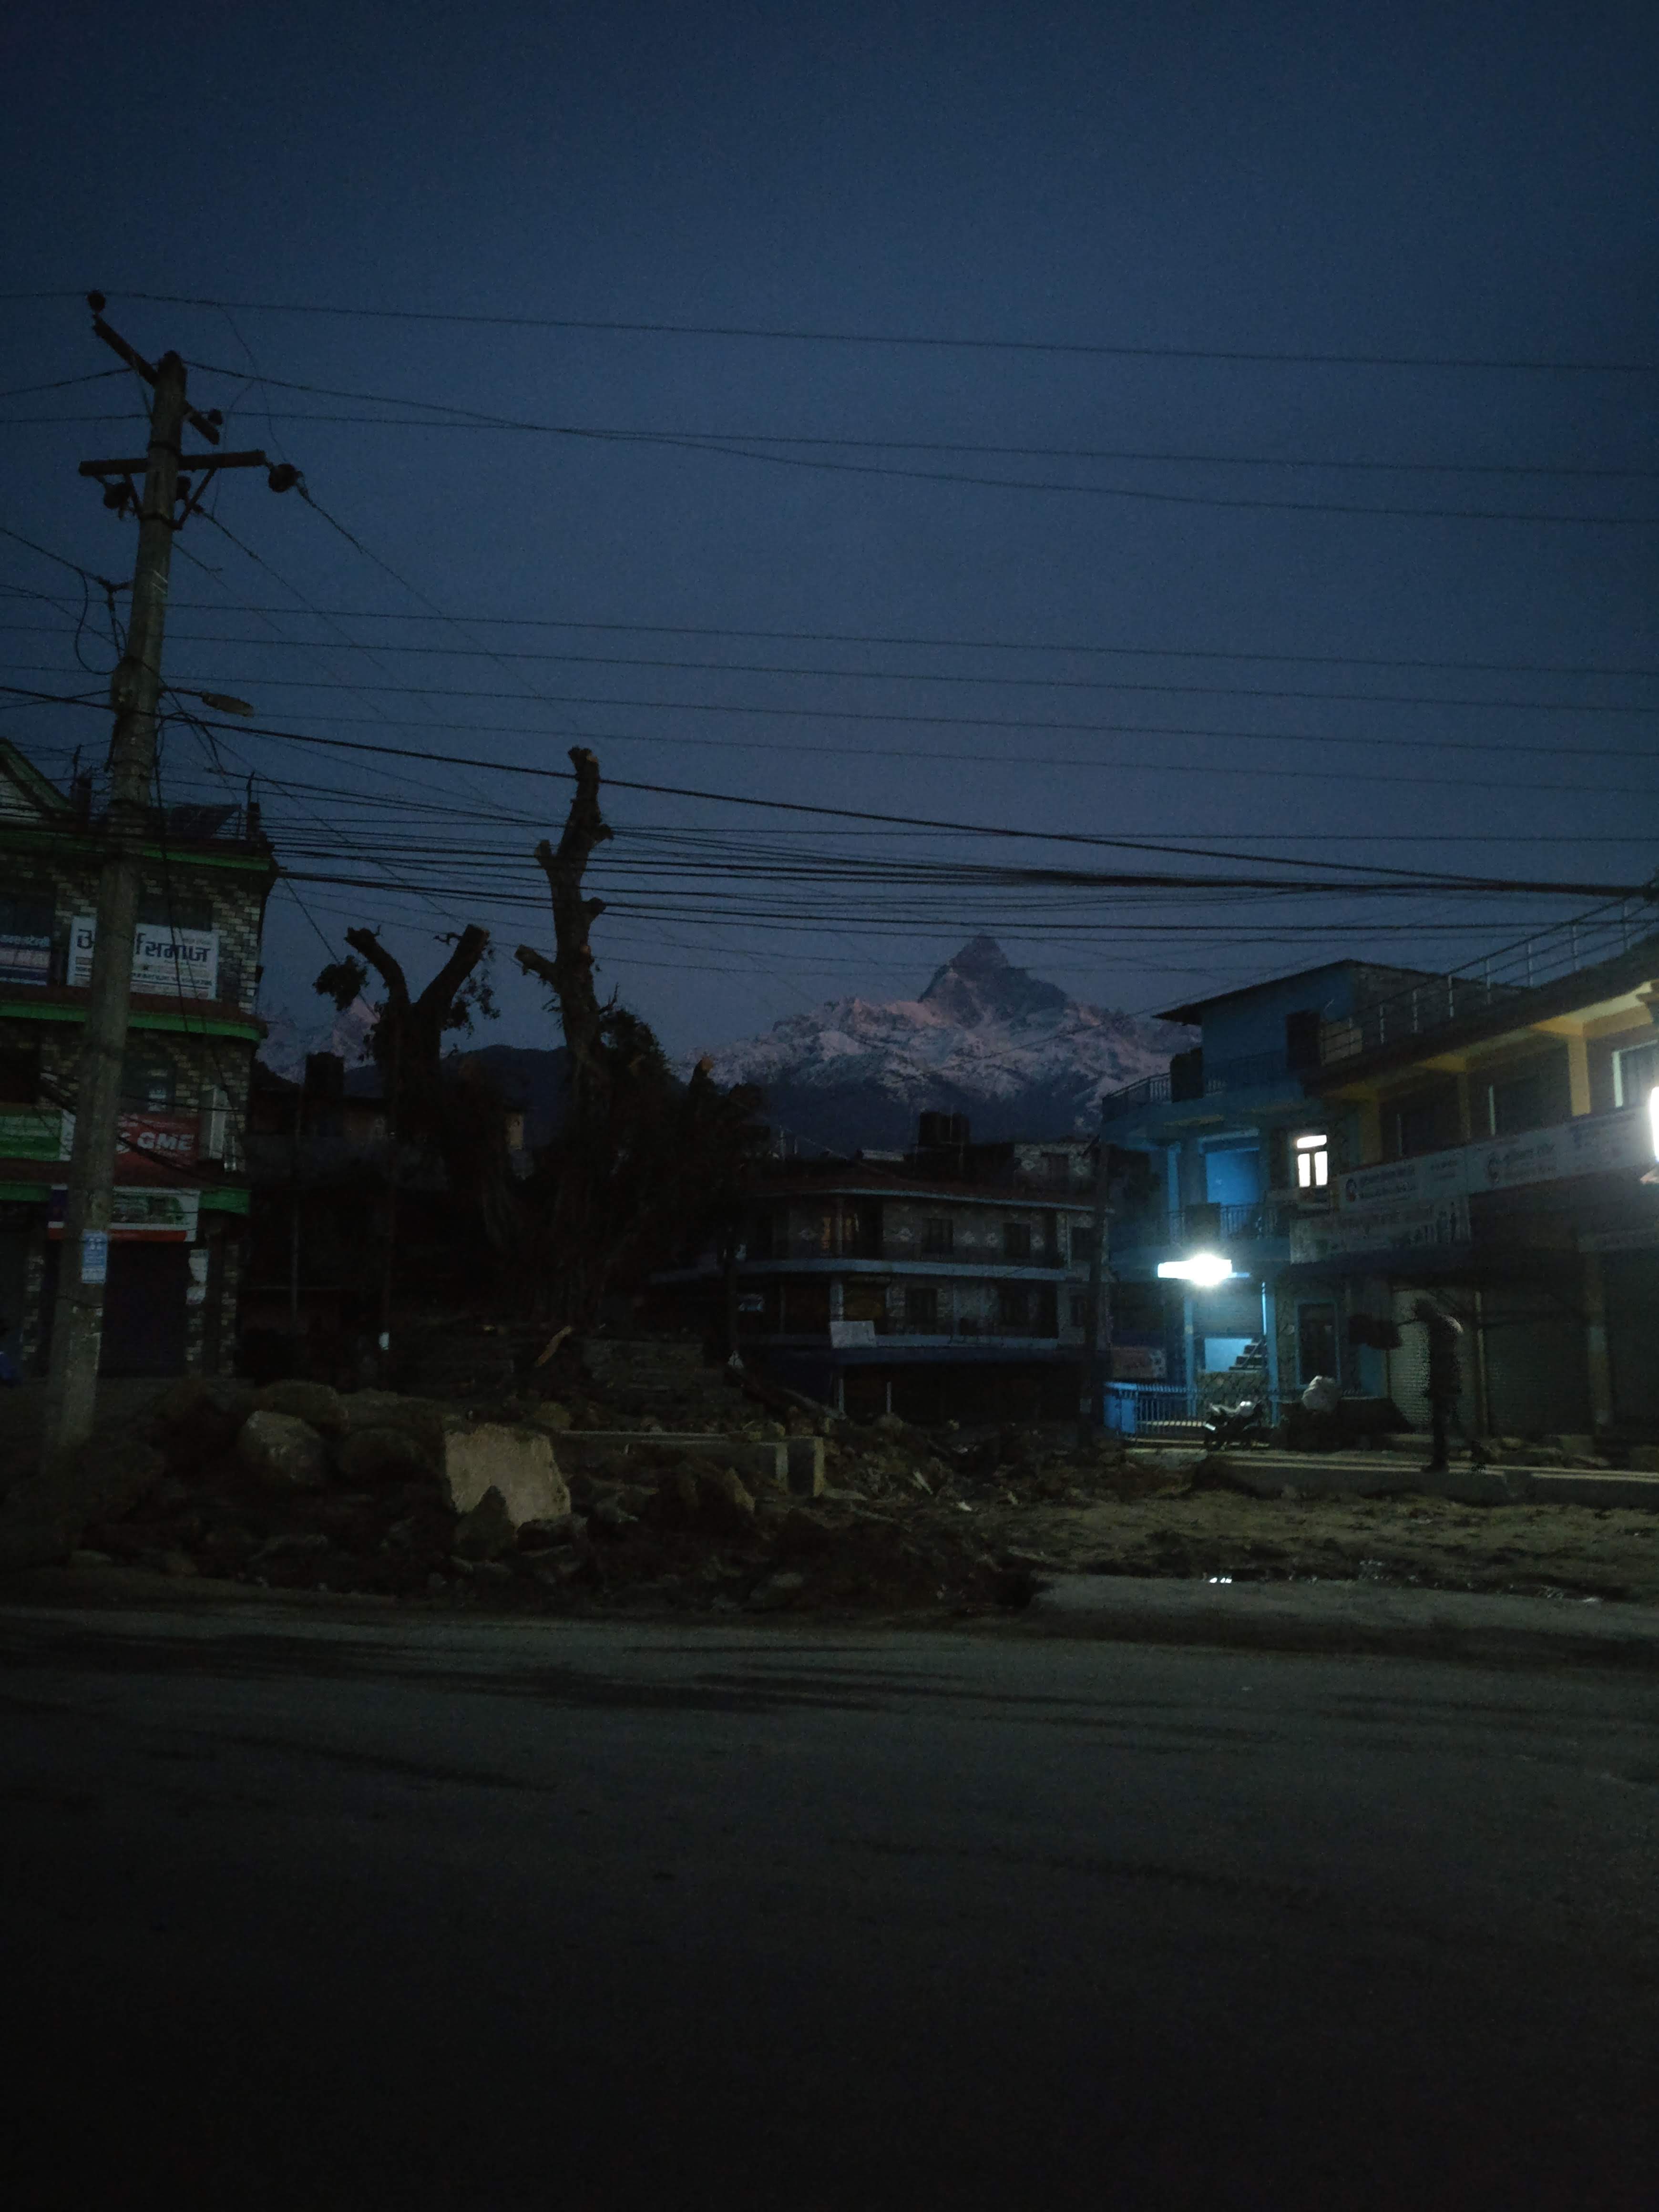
[[25, 944], [174, 1140], [1385, 1230], [1137, 1363], [35, 1133], [166, 962], [1590, 1143], [140, 1211]]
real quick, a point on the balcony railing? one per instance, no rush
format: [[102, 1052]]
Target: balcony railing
[[1246, 1073], [1439, 1001], [1261, 1218]]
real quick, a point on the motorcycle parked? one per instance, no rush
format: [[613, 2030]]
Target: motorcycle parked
[[1242, 1424]]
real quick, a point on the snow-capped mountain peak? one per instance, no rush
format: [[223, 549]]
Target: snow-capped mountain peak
[[985, 1038]]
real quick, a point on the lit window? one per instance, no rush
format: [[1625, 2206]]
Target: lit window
[[1313, 1162], [1635, 1073]]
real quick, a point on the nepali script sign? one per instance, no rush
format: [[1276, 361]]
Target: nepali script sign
[[1590, 1143], [173, 963], [1421, 1223]]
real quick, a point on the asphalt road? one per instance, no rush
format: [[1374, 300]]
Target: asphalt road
[[304, 1911]]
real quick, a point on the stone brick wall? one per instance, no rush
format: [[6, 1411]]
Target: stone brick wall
[[236, 897]]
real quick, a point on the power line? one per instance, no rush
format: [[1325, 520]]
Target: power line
[[1255, 771], [63, 383], [980, 644], [447, 415], [1062, 346], [843, 813], [915, 675], [731, 449]]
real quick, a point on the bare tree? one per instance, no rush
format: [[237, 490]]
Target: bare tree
[[569, 974], [643, 1161], [409, 1032], [463, 1122]]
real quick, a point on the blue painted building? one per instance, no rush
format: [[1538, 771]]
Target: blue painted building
[[1223, 1154]]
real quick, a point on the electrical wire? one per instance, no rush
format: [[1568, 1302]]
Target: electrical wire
[[1063, 346], [728, 799], [732, 449], [989, 645], [915, 677]]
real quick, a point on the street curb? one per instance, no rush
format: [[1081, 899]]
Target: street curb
[[1270, 1474], [1337, 1617]]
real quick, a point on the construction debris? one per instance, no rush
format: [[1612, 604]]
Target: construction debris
[[714, 1502]]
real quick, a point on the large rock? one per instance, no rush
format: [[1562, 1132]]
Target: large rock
[[712, 1499], [318, 1405], [383, 1454], [423, 1419], [282, 1451], [518, 1461], [195, 1419]]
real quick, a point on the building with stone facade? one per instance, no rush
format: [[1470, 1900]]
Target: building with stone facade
[[181, 1190], [950, 1281]]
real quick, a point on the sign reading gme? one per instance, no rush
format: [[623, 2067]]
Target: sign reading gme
[[1590, 1143], [166, 962]]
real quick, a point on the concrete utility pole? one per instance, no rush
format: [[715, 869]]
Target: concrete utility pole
[[1097, 1356], [135, 692]]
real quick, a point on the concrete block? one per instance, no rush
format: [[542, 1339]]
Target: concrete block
[[806, 1465], [519, 1463]]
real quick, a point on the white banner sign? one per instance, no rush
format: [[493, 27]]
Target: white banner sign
[[140, 1210], [166, 962], [844, 1334], [1590, 1143], [1381, 1229]]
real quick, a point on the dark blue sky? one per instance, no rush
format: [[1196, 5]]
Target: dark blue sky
[[1431, 183]]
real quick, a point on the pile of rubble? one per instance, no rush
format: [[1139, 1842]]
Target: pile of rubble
[[296, 1486]]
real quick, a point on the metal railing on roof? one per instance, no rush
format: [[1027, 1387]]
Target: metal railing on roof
[[1246, 1073], [1545, 957]]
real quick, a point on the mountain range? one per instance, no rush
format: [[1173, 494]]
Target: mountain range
[[984, 1038]]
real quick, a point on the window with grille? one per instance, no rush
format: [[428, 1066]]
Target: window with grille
[[1016, 1240], [938, 1235], [921, 1307]]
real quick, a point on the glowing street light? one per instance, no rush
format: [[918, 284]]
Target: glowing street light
[[1204, 1269]]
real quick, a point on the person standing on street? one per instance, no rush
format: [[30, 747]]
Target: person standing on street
[[1445, 1378]]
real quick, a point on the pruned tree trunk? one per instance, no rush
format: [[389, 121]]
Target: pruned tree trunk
[[570, 971], [412, 1029]]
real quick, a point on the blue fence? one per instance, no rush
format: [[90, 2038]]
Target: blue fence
[[1144, 1408]]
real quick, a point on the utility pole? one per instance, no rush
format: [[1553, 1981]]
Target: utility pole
[[134, 693], [1097, 1356]]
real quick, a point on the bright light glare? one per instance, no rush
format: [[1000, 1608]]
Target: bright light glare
[[1311, 1144], [1206, 1269]]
